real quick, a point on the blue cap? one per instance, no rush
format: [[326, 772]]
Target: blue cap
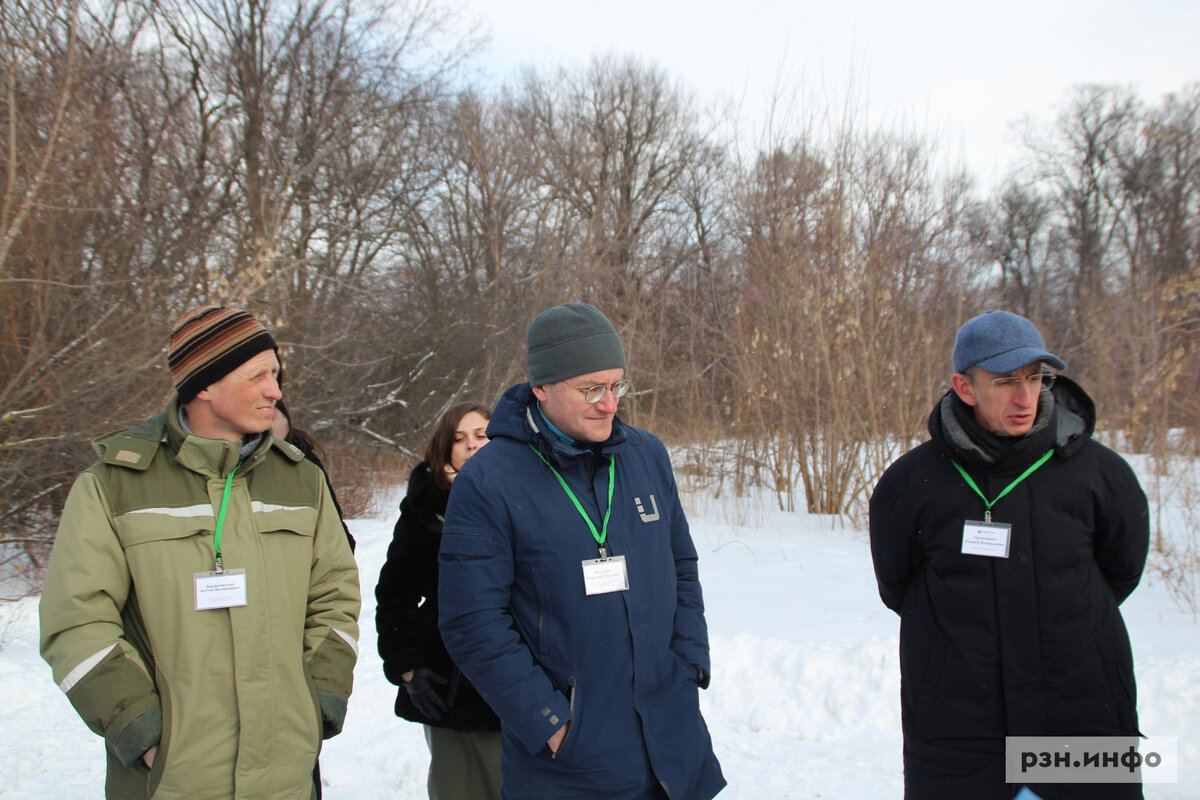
[[1000, 342]]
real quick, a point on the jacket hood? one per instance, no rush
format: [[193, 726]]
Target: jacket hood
[[134, 448], [516, 417], [1076, 415], [1066, 419]]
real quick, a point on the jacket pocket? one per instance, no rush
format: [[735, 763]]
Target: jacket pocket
[[164, 743], [286, 539], [273, 518], [689, 671], [160, 525], [573, 723], [549, 637], [316, 704]]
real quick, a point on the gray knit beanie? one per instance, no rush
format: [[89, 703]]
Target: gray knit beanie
[[569, 340]]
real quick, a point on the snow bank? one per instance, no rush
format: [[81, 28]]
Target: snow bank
[[804, 700]]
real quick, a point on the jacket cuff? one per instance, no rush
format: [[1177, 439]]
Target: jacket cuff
[[394, 673], [138, 736], [333, 713], [537, 730]]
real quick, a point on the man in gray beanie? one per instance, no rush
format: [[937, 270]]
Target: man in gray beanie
[[569, 589], [1006, 543]]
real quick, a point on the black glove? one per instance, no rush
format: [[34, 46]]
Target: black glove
[[424, 697]]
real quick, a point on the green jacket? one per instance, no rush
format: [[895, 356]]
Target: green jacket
[[238, 699]]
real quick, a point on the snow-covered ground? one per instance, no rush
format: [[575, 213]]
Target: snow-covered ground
[[804, 700]]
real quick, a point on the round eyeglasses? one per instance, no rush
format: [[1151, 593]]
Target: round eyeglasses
[[594, 394], [1036, 382]]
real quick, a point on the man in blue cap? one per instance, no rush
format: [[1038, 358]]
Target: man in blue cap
[[569, 594], [1006, 543]]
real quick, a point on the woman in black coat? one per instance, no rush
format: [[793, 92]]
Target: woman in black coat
[[462, 730]]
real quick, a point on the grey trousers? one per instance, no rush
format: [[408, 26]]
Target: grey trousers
[[463, 765]]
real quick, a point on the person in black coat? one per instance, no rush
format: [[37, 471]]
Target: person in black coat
[[462, 730], [1006, 543]]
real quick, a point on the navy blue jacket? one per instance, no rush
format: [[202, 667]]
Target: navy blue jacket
[[624, 667]]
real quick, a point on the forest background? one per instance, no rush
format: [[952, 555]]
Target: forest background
[[787, 303]]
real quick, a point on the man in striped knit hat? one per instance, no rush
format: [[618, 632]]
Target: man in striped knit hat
[[200, 604]]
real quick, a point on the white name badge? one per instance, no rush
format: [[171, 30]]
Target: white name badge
[[986, 538], [220, 589], [604, 575]]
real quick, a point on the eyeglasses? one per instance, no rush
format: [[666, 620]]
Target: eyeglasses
[[1036, 382], [594, 394]]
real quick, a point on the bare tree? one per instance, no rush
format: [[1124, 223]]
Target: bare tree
[[1122, 188], [479, 245], [623, 156], [329, 124], [857, 265], [1016, 233], [161, 155], [1077, 165], [93, 170], [1159, 239]]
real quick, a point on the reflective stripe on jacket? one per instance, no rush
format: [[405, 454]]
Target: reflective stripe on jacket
[[242, 693]]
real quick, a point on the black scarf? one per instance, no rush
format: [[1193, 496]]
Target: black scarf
[[958, 420]]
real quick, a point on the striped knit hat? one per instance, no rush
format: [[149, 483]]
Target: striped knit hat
[[208, 343]]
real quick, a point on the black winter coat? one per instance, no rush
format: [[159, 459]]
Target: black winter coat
[[406, 610], [1032, 644]]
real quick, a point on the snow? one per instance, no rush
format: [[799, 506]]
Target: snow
[[804, 701]]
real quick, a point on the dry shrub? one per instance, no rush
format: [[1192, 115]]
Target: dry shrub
[[1175, 546], [365, 476]]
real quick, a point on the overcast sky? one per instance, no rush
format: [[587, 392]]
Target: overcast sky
[[958, 71]]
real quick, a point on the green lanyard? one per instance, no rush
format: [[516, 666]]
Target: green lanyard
[[602, 535], [987, 514], [221, 517]]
